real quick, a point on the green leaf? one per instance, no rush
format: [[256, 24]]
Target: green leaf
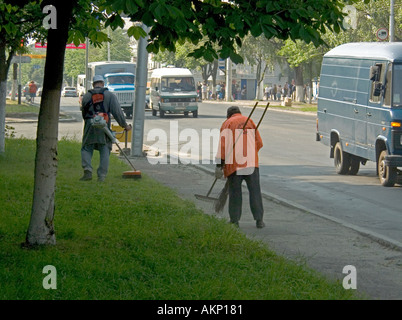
[[131, 7], [256, 30], [137, 32], [236, 58], [140, 3], [181, 25]]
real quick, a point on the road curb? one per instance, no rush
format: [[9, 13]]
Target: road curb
[[382, 240]]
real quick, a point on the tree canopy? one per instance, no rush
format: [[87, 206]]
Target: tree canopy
[[226, 23]]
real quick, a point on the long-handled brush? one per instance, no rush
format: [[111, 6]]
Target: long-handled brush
[[99, 122], [223, 195]]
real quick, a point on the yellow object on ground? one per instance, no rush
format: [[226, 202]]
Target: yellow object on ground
[[121, 134]]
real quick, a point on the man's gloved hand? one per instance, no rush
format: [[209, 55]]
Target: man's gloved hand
[[218, 173]]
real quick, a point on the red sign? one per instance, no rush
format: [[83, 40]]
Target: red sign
[[68, 46]]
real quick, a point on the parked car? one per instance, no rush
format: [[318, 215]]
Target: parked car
[[69, 92], [16, 93]]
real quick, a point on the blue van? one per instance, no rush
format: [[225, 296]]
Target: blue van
[[359, 114]]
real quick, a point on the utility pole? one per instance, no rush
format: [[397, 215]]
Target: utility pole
[[108, 44], [392, 22], [139, 100], [19, 81], [87, 81]]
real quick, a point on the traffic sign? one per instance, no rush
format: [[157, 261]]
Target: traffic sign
[[22, 59], [382, 34], [222, 64]]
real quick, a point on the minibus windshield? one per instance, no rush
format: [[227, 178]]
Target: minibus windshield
[[177, 84]]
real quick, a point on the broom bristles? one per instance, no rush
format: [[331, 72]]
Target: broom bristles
[[223, 195]]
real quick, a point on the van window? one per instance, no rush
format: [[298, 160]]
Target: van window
[[172, 84], [397, 89], [373, 97]]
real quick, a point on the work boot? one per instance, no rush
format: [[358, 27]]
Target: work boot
[[260, 224], [87, 176], [101, 178]]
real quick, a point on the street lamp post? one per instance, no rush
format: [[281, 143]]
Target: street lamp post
[[392, 22]]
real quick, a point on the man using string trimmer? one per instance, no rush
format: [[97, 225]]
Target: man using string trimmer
[[98, 102]]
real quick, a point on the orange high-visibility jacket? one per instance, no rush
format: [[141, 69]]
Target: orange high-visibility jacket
[[238, 148]]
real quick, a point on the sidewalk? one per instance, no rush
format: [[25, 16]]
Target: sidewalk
[[298, 235]]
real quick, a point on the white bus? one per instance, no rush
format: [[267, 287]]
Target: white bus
[[173, 91]]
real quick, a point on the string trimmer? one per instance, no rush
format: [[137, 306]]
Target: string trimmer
[[100, 122]]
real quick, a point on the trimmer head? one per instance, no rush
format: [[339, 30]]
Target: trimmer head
[[132, 174]]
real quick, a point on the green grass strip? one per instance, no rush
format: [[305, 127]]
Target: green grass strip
[[134, 239]]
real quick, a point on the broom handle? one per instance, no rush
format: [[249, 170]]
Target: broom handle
[[237, 139], [210, 189], [124, 154], [266, 108]]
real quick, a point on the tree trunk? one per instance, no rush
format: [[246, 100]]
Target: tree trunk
[[260, 74], [214, 74], [41, 227], [299, 84]]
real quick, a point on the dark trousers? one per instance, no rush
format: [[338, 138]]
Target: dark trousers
[[235, 195]]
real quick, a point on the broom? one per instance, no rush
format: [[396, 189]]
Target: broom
[[223, 195]]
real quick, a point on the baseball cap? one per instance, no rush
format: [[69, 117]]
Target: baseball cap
[[98, 78]]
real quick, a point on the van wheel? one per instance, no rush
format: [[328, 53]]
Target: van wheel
[[387, 174], [195, 114], [354, 165], [341, 159]]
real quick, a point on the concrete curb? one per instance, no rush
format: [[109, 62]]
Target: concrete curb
[[383, 240]]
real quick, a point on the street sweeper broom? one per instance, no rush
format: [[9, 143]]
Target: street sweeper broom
[[99, 122]]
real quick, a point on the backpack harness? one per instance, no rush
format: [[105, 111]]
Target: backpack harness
[[95, 107]]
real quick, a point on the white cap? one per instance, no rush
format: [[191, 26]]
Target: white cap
[[98, 78]]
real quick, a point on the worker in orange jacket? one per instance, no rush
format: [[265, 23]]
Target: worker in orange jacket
[[237, 160]]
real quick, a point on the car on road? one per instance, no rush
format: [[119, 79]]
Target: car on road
[[69, 92]]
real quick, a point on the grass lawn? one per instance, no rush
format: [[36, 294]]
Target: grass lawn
[[14, 107], [134, 239]]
